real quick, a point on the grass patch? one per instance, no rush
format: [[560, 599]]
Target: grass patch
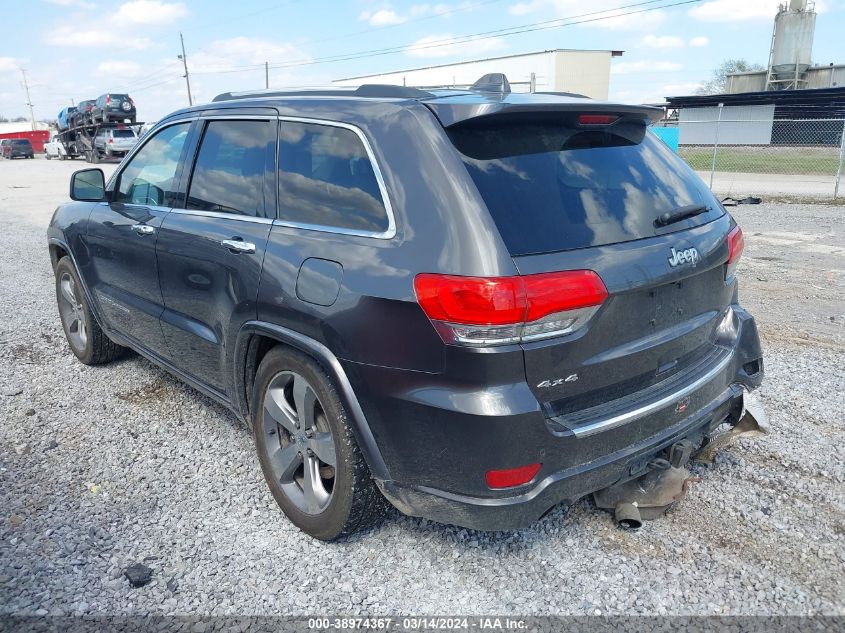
[[765, 159]]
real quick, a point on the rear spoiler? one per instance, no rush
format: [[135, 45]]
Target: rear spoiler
[[454, 111]]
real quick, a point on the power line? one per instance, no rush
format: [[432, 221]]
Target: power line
[[504, 32], [438, 14], [525, 28]]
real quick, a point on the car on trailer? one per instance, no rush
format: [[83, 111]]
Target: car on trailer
[[113, 107], [82, 115], [114, 142]]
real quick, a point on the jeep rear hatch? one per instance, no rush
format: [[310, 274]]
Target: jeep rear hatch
[[593, 190]]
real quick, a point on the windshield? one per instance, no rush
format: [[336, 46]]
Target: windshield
[[553, 186]]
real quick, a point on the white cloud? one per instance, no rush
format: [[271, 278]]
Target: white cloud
[[149, 12], [79, 4], [236, 52], [94, 38], [120, 68], [686, 88], [662, 41], [638, 22], [644, 66], [389, 17], [602, 13], [433, 46], [733, 11], [524, 8], [8, 64], [383, 17], [699, 41]]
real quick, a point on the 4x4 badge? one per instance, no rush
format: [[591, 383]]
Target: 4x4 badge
[[687, 256]]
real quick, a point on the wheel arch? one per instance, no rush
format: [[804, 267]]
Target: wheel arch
[[256, 338]]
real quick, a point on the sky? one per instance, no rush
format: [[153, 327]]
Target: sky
[[78, 49]]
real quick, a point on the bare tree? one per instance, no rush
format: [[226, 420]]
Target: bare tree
[[717, 84]]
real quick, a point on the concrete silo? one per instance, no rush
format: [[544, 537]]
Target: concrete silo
[[792, 46]]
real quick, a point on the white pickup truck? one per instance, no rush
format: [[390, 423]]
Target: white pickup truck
[[55, 149]]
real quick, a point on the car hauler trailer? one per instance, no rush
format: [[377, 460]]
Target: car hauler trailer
[[79, 140]]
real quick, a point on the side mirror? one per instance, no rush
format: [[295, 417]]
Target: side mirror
[[88, 185]]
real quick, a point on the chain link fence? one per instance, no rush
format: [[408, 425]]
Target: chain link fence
[[800, 157]]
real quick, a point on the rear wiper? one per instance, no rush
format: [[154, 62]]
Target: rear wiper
[[681, 213]]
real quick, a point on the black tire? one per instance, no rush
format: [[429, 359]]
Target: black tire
[[354, 502], [96, 348], [47, 155]]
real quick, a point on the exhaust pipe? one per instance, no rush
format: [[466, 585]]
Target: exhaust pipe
[[648, 496], [628, 517]]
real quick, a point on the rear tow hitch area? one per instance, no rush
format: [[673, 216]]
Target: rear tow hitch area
[[666, 480], [650, 495]]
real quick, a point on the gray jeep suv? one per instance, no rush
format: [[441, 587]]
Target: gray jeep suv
[[475, 304]]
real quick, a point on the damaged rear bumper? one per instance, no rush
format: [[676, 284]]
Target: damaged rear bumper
[[566, 486], [721, 401]]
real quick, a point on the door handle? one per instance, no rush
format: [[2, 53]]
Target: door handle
[[143, 229], [239, 246]]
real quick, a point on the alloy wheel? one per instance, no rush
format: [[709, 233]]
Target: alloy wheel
[[72, 312], [300, 446]]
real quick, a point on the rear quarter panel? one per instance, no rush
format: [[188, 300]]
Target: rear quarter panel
[[441, 226]]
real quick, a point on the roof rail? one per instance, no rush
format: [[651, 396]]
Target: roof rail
[[371, 91]]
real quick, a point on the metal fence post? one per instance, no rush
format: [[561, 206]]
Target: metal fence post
[[841, 160], [715, 145]]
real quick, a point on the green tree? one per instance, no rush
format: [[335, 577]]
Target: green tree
[[718, 82]]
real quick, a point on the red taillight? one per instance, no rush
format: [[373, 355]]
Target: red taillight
[[108, 99], [498, 310], [597, 119], [471, 300], [558, 292], [511, 477], [111, 140], [736, 244]]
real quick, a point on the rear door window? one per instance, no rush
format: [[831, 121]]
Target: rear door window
[[552, 185], [326, 179], [231, 165]]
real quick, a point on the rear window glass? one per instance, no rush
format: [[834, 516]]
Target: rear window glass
[[21, 142], [123, 134], [552, 186]]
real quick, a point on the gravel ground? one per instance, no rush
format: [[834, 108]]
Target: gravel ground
[[104, 467]]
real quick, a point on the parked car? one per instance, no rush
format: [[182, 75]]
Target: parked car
[[475, 305], [64, 117], [113, 107], [3, 143], [82, 116], [111, 142], [18, 148]]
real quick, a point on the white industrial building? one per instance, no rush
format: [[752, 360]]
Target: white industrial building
[[560, 70]]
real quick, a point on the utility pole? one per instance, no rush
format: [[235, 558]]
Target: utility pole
[[267, 75], [184, 59], [28, 100]]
